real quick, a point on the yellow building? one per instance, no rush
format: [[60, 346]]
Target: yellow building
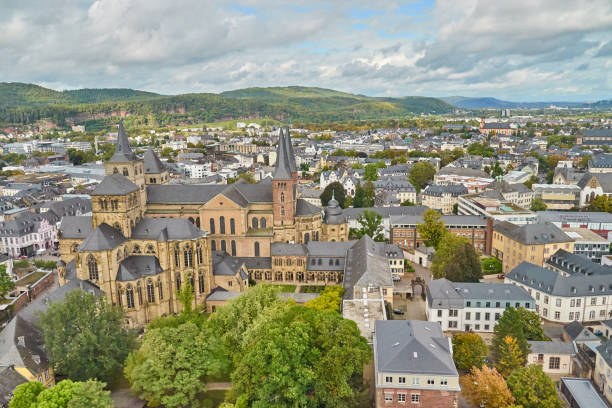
[[146, 238], [533, 243]]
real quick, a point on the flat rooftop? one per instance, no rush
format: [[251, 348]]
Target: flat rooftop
[[364, 312]]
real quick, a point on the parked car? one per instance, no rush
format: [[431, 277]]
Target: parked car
[[398, 311], [501, 276]]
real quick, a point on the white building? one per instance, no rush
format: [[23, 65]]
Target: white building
[[472, 306]]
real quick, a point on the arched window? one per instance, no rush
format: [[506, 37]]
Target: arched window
[[139, 289], [160, 289], [221, 225], [150, 291], [316, 235], [232, 226], [125, 172], [262, 221], [306, 237], [282, 197], [192, 283], [223, 246], [191, 220], [212, 225], [199, 254], [256, 248], [337, 262], [115, 171], [119, 297], [92, 266], [178, 282], [176, 257], [233, 246], [213, 245], [255, 223], [198, 222], [129, 297], [201, 283], [150, 249], [188, 256], [136, 249], [282, 211]]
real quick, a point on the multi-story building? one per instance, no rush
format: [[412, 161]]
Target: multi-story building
[[594, 185], [602, 376], [598, 222], [413, 365], [583, 296], [472, 306], [555, 357], [474, 180], [595, 137], [442, 197], [601, 163], [588, 244], [534, 243], [495, 208], [498, 128], [477, 229], [558, 196]]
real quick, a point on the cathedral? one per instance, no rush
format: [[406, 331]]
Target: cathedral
[[146, 238]]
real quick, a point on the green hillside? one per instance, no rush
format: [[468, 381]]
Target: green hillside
[[26, 103]]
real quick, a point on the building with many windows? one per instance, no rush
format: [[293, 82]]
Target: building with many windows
[[472, 306], [413, 365]]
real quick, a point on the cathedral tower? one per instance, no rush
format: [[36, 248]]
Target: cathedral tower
[[284, 182]]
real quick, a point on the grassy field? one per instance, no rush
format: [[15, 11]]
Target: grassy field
[[285, 288], [30, 279], [312, 289]]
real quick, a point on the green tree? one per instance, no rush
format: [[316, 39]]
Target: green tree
[[85, 338], [532, 388], [337, 190], [407, 204], [464, 264], [248, 177], [510, 356], [469, 350], [26, 394], [515, 323], [304, 167], [90, 394], [532, 325], [369, 193], [485, 387], [58, 396], [330, 299], [371, 172], [359, 196], [172, 363], [300, 356], [480, 149], [420, 174], [537, 204], [432, 230], [371, 224], [455, 208], [491, 266], [601, 203], [532, 180], [6, 283]]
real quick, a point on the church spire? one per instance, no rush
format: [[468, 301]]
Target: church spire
[[290, 152], [123, 151], [283, 160]]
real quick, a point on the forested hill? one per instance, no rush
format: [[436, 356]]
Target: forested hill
[[27, 103]]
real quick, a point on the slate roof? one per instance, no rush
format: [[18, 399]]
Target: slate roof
[[571, 263], [22, 345], [605, 350], [76, 227], [385, 212], [26, 223], [454, 190], [532, 234], [281, 249], [152, 163], [555, 284], [256, 262], [102, 238], [570, 174], [303, 207], [242, 193], [226, 265], [412, 347], [576, 332], [332, 249], [461, 171], [282, 169], [505, 187], [138, 266], [449, 220], [72, 206], [123, 151], [166, 229], [9, 380], [442, 293], [365, 267], [552, 347], [114, 184]]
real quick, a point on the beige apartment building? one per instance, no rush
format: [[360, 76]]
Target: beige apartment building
[[533, 243]]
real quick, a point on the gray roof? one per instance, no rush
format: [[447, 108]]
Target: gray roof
[[573, 217], [436, 190], [552, 347], [570, 174], [604, 179], [166, 229], [76, 227], [226, 265], [22, 345], [102, 238], [281, 249], [123, 151], [152, 164], [115, 184], [385, 212], [240, 192], [571, 263], [138, 266], [449, 220], [576, 332], [583, 393], [283, 158], [412, 347], [9, 380], [532, 234], [605, 350], [26, 223], [442, 293], [365, 267], [71, 206], [555, 284], [505, 187], [256, 262], [303, 207], [330, 249], [461, 171]]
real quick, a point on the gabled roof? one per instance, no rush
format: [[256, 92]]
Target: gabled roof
[[114, 184], [138, 266], [22, 345], [123, 151], [412, 347], [365, 267], [166, 229], [77, 227], [104, 237], [576, 332], [303, 207], [281, 248], [152, 163], [9, 380], [532, 234]]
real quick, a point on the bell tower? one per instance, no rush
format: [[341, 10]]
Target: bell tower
[[284, 183]]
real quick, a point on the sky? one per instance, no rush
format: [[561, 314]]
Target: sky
[[519, 50]]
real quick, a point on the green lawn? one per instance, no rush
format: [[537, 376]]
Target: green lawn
[[30, 279], [312, 289], [284, 288]]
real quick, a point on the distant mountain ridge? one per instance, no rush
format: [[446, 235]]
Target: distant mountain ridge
[[26, 103], [494, 103]]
